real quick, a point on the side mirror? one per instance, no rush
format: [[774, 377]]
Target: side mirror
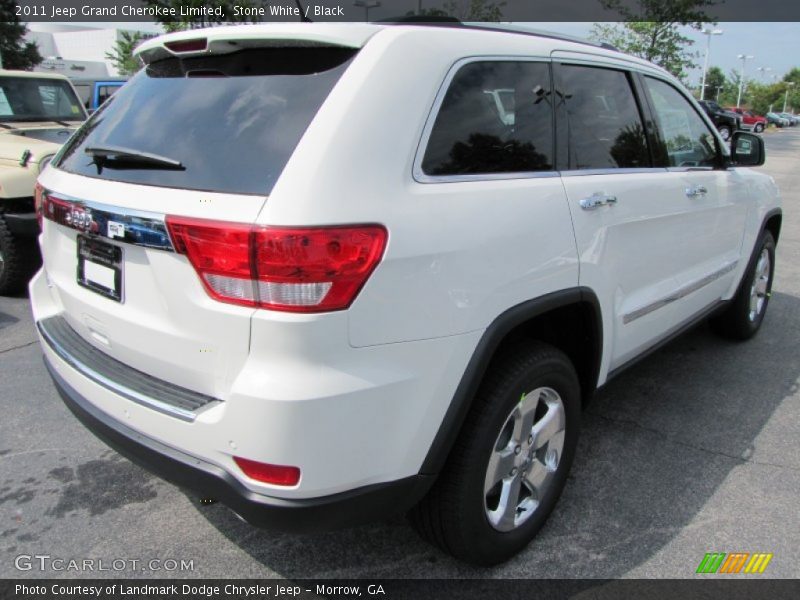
[[747, 150]]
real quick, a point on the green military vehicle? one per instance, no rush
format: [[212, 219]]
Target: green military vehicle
[[38, 113]]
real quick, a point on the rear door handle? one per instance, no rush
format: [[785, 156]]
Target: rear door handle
[[696, 191], [597, 200]]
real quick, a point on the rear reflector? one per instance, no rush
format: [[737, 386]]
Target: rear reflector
[[312, 269], [266, 473]]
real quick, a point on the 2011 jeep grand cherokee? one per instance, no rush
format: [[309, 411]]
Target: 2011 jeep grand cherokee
[[320, 273]]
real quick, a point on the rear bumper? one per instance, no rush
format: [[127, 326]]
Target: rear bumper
[[344, 509]]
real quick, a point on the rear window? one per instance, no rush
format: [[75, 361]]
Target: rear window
[[232, 120]]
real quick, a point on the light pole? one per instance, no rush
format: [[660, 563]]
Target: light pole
[[744, 58], [708, 33], [786, 97], [366, 5], [763, 71], [719, 89]]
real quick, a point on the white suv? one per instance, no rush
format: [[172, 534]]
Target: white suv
[[318, 273]]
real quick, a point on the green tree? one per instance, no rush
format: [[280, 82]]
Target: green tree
[[467, 10], [715, 82], [731, 92], [653, 31], [122, 55], [793, 76], [196, 22], [15, 52]]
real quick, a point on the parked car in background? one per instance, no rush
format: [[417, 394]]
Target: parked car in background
[[793, 119], [777, 120], [726, 122], [93, 92], [750, 120], [38, 113]]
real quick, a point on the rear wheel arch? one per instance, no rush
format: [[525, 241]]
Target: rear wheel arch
[[570, 320]]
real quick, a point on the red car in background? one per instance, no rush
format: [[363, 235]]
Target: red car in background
[[750, 120]]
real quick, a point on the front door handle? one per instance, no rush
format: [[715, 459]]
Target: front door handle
[[696, 191], [597, 200]]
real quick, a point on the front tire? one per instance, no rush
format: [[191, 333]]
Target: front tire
[[725, 132], [511, 460], [743, 318], [759, 127]]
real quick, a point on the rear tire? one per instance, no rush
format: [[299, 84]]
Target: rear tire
[[521, 435], [759, 127], [725, 132], [19, 259], [743, 318]]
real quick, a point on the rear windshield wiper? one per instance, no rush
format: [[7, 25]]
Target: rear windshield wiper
[[119, 158]]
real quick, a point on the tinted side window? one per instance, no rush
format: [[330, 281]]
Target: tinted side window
[[604, 124], [496, 117], [687, 141], [31, 99], [104, 92]]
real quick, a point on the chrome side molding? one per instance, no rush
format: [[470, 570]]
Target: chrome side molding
[[679, 293]]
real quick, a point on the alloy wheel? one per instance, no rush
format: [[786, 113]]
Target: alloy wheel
[[760, 287], [524, 459]]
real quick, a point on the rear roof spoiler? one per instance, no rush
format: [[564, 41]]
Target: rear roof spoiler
[[225, 40]]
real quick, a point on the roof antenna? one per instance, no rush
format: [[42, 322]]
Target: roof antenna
[[303, 16]]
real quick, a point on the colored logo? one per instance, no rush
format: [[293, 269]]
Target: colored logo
[[735, 562]]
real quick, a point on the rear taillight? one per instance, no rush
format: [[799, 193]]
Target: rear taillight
[[274, 474], [65, 212], [313, 269], [38, 200]]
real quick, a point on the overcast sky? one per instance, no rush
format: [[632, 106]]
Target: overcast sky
[[774, 45]]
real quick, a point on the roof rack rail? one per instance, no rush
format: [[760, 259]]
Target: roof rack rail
[[516, 29], [432, 20], [443, 21]]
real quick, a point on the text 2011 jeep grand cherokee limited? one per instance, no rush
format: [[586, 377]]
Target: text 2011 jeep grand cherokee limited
[[320, 273]]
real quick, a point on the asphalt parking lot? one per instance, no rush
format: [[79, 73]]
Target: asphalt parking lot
[[694, 450]]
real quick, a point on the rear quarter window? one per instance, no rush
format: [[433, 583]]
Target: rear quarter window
[[496, 117], [233, 121]]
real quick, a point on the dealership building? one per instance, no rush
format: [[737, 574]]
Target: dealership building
[[77, 51]]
